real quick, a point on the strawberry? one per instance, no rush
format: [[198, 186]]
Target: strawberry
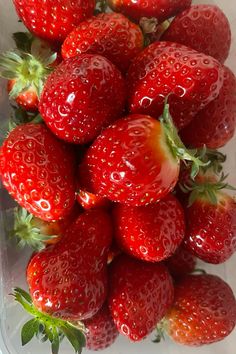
[[211, 221], [204, 311], [101, 330], [38, 233], [53, 19], [136, 160], [140, 294], [28, 99], [163, 68], [83, 95], [150, 233], [204, 28], [162, 9], [214, 125], [38, 171], [109, 34], [77, 264], [181, 263], [89, 200]]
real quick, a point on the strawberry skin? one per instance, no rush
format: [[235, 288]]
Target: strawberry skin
[[83, 95], [89, 200], [211, 228], [131, 162], [204, 311], [140, 294], [109, 34], [28, 99], [69, 279], [204, 28], [150, 233], [101, 330], [161, 9], [181, 263], [38, 171], [214, 126], [53, 19], [194, 79]]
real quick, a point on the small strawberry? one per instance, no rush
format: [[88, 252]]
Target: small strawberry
[[83, 95], [140, 294], [150, 233], [181, 263], [211, 221], [204, 311], [204, 28], [214, 126], [53, 19], [161, 9], [101, 331], [136, 160], [38, 171], [109, 34], [190, 78]]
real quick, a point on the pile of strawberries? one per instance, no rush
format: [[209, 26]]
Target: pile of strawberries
[[111, 156]]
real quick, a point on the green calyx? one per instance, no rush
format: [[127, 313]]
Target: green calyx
[[206, 189], [177, 147], [27, 232], [160, 331], [46, 327]]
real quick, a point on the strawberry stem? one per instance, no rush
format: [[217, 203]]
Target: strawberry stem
[[46, 327]]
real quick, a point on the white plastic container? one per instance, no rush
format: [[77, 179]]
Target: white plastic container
[[13, 262]]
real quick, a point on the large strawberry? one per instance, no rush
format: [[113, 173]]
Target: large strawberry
[[38, 170], [191, 79], [136, 160], [53, 19], [204, 311], [211, 221], [181, 263], [83, 95], [214, 126], [204, 28], [152, 232], [140, 294], [111, 35], [162, 9], [101, 331]]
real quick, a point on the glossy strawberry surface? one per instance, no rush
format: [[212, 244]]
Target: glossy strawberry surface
[[204, 28], [151, 233], [27, 99], [69, 279], [131, 162], [38, 170], [101, 330], [211, 228], [109, 34], [214, 126], [162, 9], [53, 19], [191, 79], [181, 263], [140, 295], [83, 95], [204, 311]]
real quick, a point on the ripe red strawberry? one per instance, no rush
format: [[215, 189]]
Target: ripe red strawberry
[[140, 294], [211, 222], [214, 126], [28, 99], [136, 160], [162, 9], [38, 171], [204, 28], [193, 80], [150, 233], [89, 200], [83, 95], [53, 19], [101, 330], [109, 34], [204, 311], [76, 265], [181, 263]]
